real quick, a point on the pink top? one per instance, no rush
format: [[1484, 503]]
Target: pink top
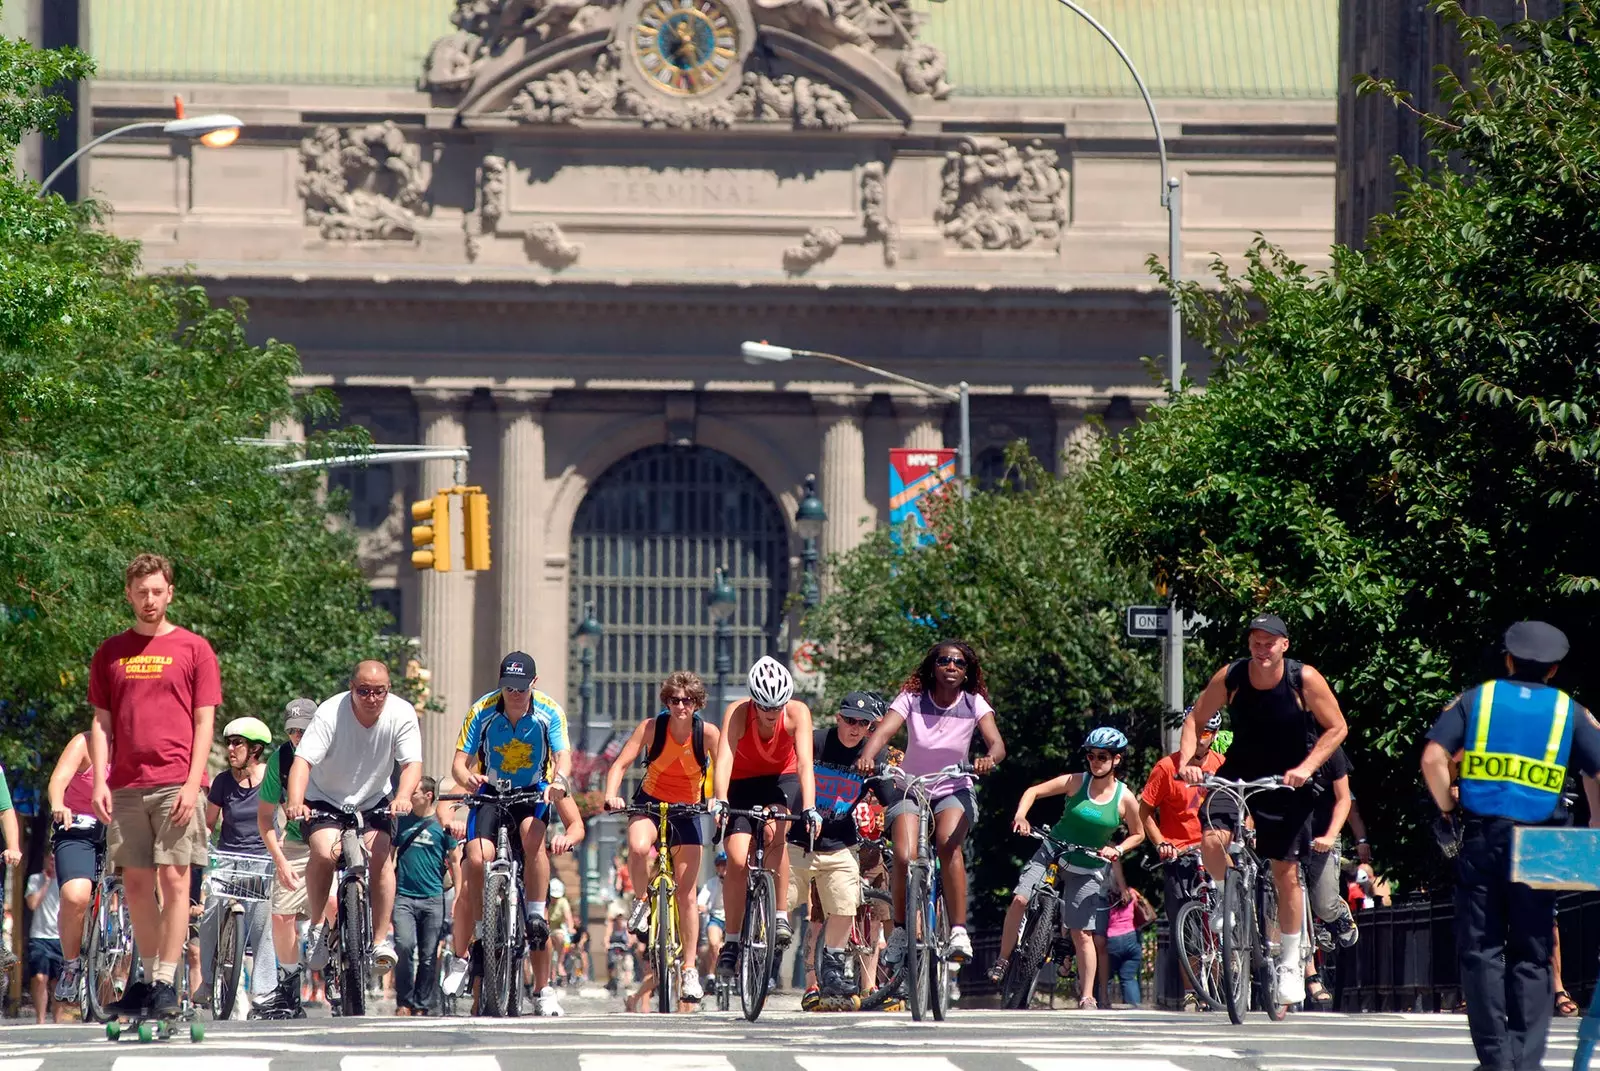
[[938, 736], [79, 794], [1121, 919]]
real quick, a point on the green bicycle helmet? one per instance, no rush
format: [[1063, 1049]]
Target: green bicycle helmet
[[252, 729]]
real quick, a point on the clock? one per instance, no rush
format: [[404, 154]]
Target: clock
[[685, 47]]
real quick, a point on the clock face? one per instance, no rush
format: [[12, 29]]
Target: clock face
[[685, 46]]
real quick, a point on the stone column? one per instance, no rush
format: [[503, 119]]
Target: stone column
[[843, 477], [446, 603], [921, 420], [1076, 438], [517, 529]]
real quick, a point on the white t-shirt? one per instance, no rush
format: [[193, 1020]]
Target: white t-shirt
[[350, 763], [46, 916]]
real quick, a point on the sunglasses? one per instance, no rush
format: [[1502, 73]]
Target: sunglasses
[[519, 691], [237, 741], [859, 723], [368, 691], [676, 700], [950, 660], [1102, 756]]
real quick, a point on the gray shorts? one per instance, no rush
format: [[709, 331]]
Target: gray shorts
[[1084, 904], [961, 797]]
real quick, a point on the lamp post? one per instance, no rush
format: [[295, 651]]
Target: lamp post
[[761, 352], [587, 636], [214, 131], [809, 517], [1170, 201], [722, 601]]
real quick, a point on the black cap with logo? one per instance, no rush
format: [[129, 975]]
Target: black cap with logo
[[517, 671], [1535, 641], [1269, 623]]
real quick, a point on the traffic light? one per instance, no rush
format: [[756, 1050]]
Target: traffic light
[[475, 514], [432, 539]]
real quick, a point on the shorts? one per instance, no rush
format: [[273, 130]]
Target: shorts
[[1084, 905], [1179, 877], [483, 823], [900, 804], [142, 835], [681, 829], [328, 816], [837, 876], [292, 901], [768, 790], [1282, 819], [78, 851], [44, 957]]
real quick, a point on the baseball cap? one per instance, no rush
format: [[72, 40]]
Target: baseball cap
[[517, 671], [1535, 641], [1269, 623], [298, 714]]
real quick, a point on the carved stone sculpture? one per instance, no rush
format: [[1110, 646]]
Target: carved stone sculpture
[[875, 211], [998, 197], [566, 96], [365, 182], [818, 245], [823, 21], [486, 214], [546, 244], [922, 68], [485, 27]]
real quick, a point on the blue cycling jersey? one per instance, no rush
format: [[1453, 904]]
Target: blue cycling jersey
[[521, 752]]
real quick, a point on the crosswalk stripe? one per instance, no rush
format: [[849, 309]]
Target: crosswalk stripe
[[385, 1062], [657, 1061], [21, 1064], [191, 1063], [875, 1063], [1109, 1063]]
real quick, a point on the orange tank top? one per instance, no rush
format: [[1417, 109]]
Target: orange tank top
[[675, 776], [756, 757]]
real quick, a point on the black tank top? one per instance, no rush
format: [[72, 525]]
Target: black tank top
[[1269, 730]]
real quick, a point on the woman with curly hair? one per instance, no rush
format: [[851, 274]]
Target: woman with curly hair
[[940, 705]]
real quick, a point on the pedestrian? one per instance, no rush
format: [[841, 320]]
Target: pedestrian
[[44, 939], [11, 857], [1517, 736], [155, 690], [1124, 951], [424, 852]]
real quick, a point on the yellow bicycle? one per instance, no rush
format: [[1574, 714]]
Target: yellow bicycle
[[665, 943]]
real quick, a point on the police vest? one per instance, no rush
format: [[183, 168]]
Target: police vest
[[1519, 737]]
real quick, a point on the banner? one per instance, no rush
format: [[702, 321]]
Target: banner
[[913, 476]]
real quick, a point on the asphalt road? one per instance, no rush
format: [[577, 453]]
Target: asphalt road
[[596, 1037]]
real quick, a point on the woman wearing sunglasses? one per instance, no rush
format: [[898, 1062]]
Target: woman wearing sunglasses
[[940, 705]]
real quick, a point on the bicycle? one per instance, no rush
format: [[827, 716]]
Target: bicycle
[[239, 880], [1039, 938], [759, 930], [1197, 945], [664, 945], [349, 968], [1249, 911], [501, 933], [110, 955]]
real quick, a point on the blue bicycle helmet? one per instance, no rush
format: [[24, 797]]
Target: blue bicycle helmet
[[1214, 723], [1106, 737]]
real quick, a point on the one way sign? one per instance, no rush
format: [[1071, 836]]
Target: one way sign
[[1150, 622]]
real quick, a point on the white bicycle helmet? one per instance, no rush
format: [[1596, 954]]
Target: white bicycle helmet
[[770, 684]]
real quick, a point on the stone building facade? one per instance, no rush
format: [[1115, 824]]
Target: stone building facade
[[550, 248]]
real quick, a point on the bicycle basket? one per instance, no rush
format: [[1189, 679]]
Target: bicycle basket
[[240, 877]]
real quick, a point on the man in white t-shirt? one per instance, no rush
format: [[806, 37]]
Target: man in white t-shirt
[[43, 895], [344, 760]]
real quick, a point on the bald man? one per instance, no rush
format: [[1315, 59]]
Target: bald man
[[345, 759]]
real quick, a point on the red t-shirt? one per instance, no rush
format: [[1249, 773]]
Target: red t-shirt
[[152, 685], [1177, 802]]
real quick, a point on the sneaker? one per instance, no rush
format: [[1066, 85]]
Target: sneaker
[[639, 919], [547, 1004], [1291, 984], [998, 971], [831, 979], [384, 955], [1346, 934], [895, 951], [67, 984], [1191, 1003], [455, 973], [692, 992], [135, 1000], [728, 960], [538, 932], [811, 999], [783, 935], [960, 949], [317, 942], [163, 1000]]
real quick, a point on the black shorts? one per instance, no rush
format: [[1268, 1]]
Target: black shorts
[[78, 851], [1282, 820], [327, 816], [768, 790], [484, 822], [681, 829]]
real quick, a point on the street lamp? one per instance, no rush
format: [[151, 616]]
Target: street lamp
[[809, 517], [761, 352], [214, 131], [587, 636], [722, 601]]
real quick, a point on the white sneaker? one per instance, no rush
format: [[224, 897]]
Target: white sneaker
[[547, 1004], [455, 972], [960, 946], [691, 986], [317, 942], [67, 984], [384, 955], [896, 950], [1291, 983]]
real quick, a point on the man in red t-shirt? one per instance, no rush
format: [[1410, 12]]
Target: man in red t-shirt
[[1169, 808], [155, 690]]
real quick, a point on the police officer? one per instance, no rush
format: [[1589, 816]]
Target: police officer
[[1516, 737]]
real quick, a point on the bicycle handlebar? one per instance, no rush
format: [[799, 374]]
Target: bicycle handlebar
[[672, 810], [1062, 847], [483, 799]]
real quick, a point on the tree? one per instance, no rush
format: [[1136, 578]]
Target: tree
[[122, 400], [1400, 454]]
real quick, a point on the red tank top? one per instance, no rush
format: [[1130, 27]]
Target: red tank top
[[755, 757]]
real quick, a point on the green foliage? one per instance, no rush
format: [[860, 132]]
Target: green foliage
[[121, 400], [1400, 455]]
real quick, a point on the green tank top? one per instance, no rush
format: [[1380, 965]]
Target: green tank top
[[1089, 823]]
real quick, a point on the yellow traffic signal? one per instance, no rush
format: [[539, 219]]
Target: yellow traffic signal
[[431, 539], [475, 515]]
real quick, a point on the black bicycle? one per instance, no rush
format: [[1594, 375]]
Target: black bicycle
[[1249, 910], [1041, 937], [349, 969], [758, 931]]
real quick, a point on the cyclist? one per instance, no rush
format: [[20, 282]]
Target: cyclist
[[940, 705], [12, 856], [832, 862], [512, 738], [561, 919], [345, 760], [289, 855], [713, 920], [764, 760], [78, 841], [234, 798], [1276, 705], [677, 745], [1098, 804], [1328, 816], [1169, 812]]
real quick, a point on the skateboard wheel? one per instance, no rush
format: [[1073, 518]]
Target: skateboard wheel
[[113, 1030], [197, 1031], [147, 1032]]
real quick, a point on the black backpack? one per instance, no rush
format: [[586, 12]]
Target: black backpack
[[1239, 671], [658, 740], [285, 761]]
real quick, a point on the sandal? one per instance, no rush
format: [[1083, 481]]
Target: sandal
[[1566, 1007], [1087, 1004], [1317, 995], [998, 971]]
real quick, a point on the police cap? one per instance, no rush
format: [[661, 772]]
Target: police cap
[[1535, 641]]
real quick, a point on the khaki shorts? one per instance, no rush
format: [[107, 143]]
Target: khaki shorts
[[142, 835], [292, 901], [837, 876]]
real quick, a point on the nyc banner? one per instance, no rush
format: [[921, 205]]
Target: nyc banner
[[913, 476]]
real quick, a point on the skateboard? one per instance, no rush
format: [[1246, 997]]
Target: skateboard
[[152, 1028]]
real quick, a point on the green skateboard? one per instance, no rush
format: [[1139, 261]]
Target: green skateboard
[[153, 1028]]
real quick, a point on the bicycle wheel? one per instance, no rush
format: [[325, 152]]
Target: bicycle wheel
[[938, 968], [1266, 974], [758, 936], [916, 961], [881, 985], [1238, 928], [353, 930], [1199, 954], [227, 964], [494, 989], [109, 953], [669, 979], [1027, 959]]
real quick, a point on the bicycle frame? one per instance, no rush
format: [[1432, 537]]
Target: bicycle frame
[[351, 967], [664, 945], [759, 879], [1252, 887]]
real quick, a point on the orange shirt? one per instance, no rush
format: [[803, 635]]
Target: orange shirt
[[1177, 802], [675, 776]]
